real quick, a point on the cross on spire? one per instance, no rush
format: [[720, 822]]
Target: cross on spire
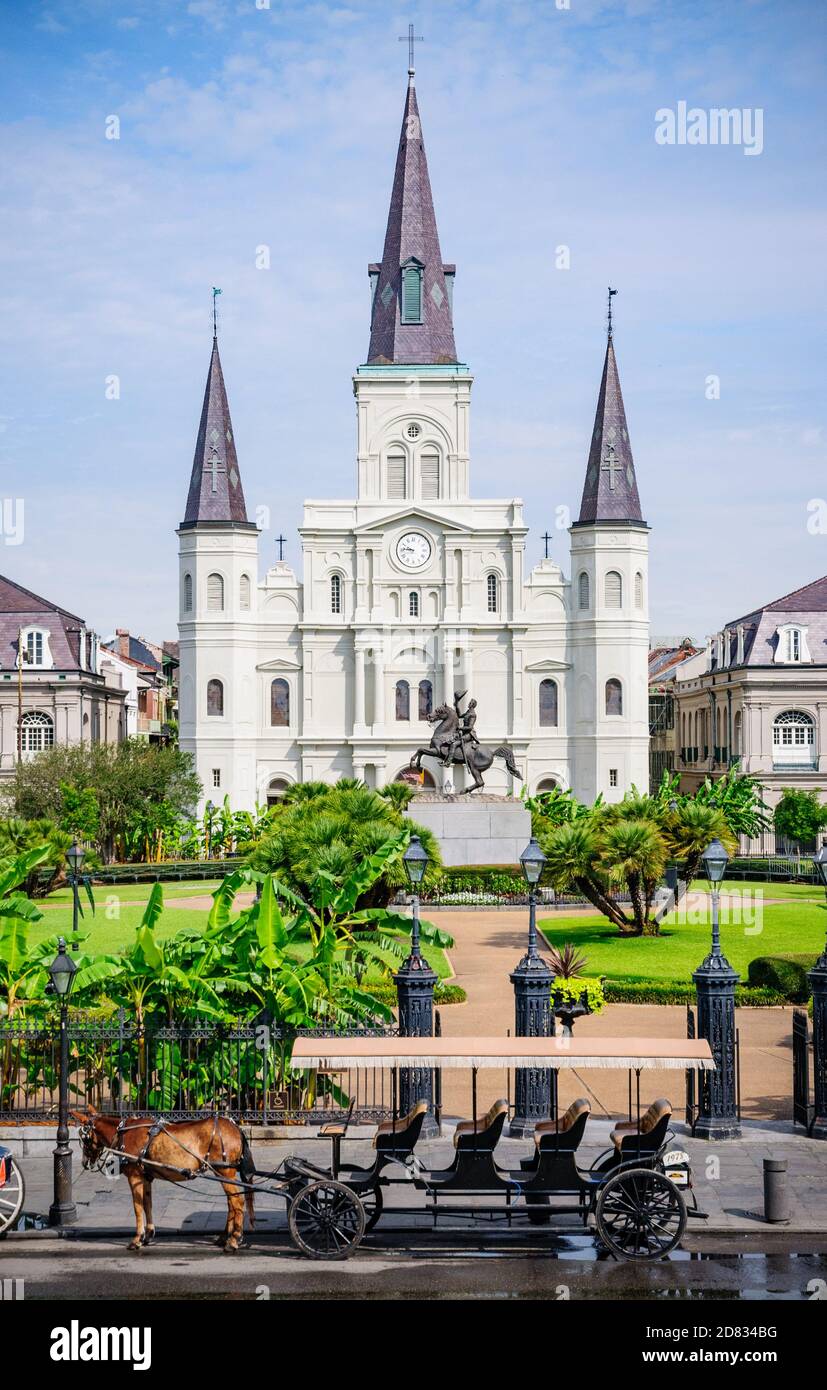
[[411, 38], [546, 538], [610, 465], [609, 317], [281, 541]]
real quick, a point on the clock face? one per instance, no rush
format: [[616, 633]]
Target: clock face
[[413, 550]]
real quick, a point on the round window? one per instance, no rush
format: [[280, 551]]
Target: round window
[[413, 431]]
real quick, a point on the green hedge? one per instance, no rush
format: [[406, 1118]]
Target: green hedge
[[501, 880], [166, 873], [682, 992], [443, 993], [787, 974]]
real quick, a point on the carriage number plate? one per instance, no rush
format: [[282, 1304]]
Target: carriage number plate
[[676, 1167]]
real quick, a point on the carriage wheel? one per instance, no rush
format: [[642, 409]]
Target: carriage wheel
[[326, 1220], [12, 1196], [373, 1203], [640, 1215]]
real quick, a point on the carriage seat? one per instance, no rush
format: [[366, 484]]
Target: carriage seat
[[653, 1125], [485, 1135], [402, 1133], [565, 1133]]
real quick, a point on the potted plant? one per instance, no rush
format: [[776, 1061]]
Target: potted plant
[[573, 994]]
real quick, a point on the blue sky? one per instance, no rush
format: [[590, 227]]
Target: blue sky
[[242, 126]]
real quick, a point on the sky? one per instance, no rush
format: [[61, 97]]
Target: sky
[[244, 124]]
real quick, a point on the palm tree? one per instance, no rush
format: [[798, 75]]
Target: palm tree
[[689, 829], [633, 853]]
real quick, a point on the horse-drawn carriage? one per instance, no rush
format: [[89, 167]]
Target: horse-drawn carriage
[[636, 1195], [12, 1190]]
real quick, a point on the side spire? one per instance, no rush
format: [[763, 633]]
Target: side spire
[[215, 491], [411, 320], [610, 491]]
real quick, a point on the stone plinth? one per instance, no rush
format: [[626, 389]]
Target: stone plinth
[[478, 829]]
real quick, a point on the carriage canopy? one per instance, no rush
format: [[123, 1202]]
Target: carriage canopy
[[633, 1054]]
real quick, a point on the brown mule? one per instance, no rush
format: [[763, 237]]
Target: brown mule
[[175, 1151]]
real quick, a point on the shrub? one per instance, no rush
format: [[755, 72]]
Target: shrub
[[681, 992], [444, 993], [787, 974], [571, 990]]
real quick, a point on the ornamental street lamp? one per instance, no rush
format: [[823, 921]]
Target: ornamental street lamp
[[672, 864], [75, 857], [62, 973], [817, 978], [415, 981], [715, 982], [532, 980]]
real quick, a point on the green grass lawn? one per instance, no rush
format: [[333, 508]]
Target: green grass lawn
[[682, 945], [770, 890], [108, 933], [135, 892]]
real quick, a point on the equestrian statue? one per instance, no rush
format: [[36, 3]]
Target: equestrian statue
[[454, 742]]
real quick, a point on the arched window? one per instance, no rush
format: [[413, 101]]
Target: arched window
[[413, 604], [638, 590], [280, 704], [187, 593], [36, 732], [793, 740], [614, 590], [583, 591], [737, 734], [429, 477], [244, 593], [335, 593], [403, 700], [547, 784], [548, 704], [276, 790], [397, 470], [411, 305], [215, 699], [215, 593], [426, 699], [493, 593], [614, 697]]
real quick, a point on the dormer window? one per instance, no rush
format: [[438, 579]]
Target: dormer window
[[34, 647], [411, 302], [791, 648]]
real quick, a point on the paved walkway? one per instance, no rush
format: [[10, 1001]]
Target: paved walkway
[[487, 947]]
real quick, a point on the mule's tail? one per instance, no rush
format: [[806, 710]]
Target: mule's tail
[[246, 1171], [503, 752]]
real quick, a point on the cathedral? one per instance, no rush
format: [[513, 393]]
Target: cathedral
[[414, 589]]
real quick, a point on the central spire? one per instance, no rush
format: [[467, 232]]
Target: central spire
[[215, 491], [610, 492], [411, 319]]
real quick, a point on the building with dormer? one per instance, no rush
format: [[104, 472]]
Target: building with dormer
[[413, 588]]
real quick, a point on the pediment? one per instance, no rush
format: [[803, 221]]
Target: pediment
[[548, 664], [279, 663], [412, 514]]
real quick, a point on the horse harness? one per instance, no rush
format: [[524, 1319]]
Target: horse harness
[[157, 1127]]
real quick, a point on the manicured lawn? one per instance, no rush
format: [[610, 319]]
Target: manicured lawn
[[136, 892], [107, 934], [770, 890], [682, 946]]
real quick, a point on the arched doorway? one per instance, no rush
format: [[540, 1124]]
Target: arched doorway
[[548, 784], [276, 790]]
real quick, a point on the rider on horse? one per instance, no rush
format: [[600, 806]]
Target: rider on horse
[[464, 731]]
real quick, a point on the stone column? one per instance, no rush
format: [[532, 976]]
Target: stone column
[[378, 688], [359, 689]]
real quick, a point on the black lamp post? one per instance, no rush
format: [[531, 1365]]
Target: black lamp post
[[62, 973], [715, 982], [818, 984], [415, 981], [532, 980], [75, 856], [672, 866]]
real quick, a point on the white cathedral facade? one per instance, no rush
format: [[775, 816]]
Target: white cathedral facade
[[413, 589]]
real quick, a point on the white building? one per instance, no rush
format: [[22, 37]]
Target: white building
[[413, 589]]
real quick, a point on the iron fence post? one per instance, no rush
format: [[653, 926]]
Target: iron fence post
[[715, 982], [817, 978], [62, 1212], [415, 981], [532, 980]]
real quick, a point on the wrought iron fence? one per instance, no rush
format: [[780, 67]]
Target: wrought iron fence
[[182, 1070]]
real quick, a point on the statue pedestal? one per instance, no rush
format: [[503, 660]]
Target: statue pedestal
[[477, 829]]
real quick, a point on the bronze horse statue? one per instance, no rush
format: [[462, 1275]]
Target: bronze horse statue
[[453, 746], [176, 1151]]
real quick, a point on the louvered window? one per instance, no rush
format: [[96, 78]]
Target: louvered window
[[583, 591], [396, 477], [430, 476], [244, 592], [614, 590], [215, 593], [412, 294], [187, 593], [638, 590]]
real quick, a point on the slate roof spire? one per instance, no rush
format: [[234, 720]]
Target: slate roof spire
[[215, 491], [610, 491], [412, 240]]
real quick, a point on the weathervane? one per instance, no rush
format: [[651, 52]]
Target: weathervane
[[215, 294], [611, 292], [411, 38]]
